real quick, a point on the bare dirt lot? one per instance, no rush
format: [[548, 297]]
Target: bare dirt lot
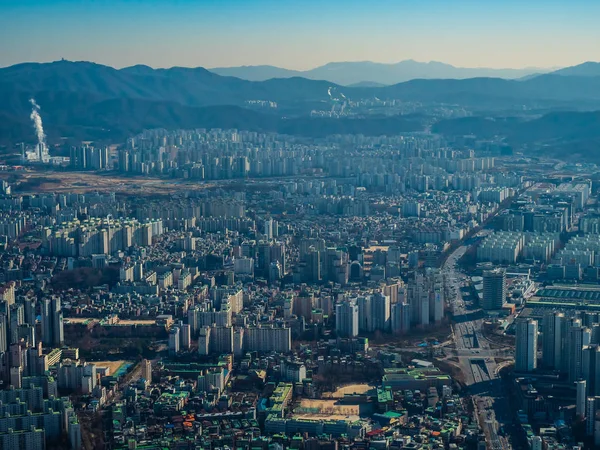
[[361, 388], [32, 182]]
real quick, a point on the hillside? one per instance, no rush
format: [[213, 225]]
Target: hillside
[[568, 135], [75, 117], [552, 127], [587, 69]]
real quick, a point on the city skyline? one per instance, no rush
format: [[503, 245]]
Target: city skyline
[[232, 33]]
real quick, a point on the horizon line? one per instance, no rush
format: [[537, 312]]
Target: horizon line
[[551, 68]]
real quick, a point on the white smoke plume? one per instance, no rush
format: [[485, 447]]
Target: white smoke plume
[[37, 122]]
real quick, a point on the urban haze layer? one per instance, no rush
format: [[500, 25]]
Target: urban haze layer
[[196, 261]]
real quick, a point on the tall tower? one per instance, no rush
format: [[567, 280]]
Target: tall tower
[[526, 346], [365, 316], [268, 229], [494, 289], [577, 337], [264, 258], [52, 322], [46, 322], [591, 369], [174, 340], [580, 398], [3, 333], [381, 312], [57, 323], [400, 318], [553, 339], [314, 264], [147, 370], [346, 319], [29, 306]]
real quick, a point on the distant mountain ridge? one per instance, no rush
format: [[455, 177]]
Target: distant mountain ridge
[[352, 73]]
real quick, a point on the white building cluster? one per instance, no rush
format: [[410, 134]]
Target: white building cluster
[[502, 247], [419, 303], [99, 236]]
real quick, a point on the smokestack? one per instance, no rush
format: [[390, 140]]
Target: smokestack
[[37, 122], [39, 129]]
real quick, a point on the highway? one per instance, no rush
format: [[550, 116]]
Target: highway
[[475, 357]]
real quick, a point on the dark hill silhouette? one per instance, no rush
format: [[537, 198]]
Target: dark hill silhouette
[[80, 117]]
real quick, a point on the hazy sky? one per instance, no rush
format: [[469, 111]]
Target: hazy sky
[[301, 34]]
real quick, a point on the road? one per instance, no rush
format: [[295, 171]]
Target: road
[[475, 357]]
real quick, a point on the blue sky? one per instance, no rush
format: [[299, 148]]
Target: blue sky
[[301, 34]]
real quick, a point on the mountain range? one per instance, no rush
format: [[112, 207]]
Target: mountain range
[[87, 101], [188, 86], [352, 73], [577, 86]]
